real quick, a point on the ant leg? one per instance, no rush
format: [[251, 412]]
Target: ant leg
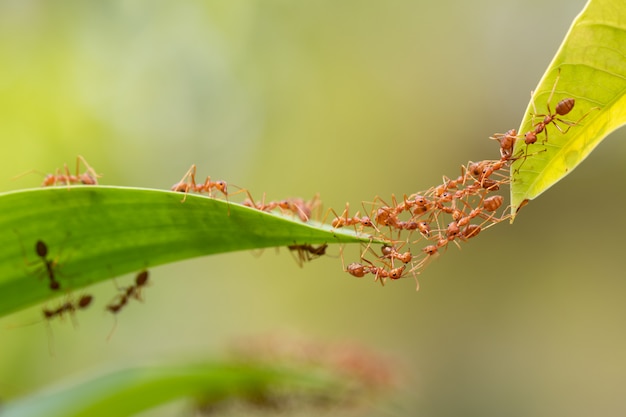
[[90, 177], [183, 185], [570, 123]]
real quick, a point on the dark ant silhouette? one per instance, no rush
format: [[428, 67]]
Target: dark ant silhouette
[[307, 253], [132, 291], [68, 307], [42, 251]]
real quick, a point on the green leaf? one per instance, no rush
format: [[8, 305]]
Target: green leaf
[[127, 392], [93, 233], [591, 63]]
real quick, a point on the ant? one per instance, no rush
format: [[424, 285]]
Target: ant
[[42, 251], [345, 220], [89, 177], [261, 206], [356, 269], [133, 291], [303, 209], [387, 216], [390, 252], [562, 108], [298, 206], [69, 307], [507, 143], [360, 270], [188, 183], [307, 253], [380, 273]]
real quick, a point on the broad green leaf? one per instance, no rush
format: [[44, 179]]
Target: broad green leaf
[[128, 392], [591, 64], [93, 233]]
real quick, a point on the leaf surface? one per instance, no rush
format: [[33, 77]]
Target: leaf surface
[[93, 233], [591, 68]]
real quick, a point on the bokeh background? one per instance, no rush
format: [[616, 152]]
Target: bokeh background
[[351, 99]]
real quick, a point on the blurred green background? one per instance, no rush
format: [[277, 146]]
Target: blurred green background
[[351, 99]]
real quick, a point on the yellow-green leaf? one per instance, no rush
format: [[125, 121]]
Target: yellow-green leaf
[[591, 68]]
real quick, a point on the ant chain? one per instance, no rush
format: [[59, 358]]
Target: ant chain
[[454, 212]]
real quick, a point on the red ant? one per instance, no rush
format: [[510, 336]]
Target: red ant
[[188, 183], [359, 270], [563, 107], [303, 209], [298, 206], [355, 269], [449, 184], [394, 273], [345, 220], [249, 202], [418, 204], [507, 143], [430, 251], [307, 253], [89, 177], [380, 274], [390, 252], [386, 216]]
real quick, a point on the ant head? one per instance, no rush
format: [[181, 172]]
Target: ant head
[[530, 138], [84, 301], [41, 249], [87, 179], [49, 180], [365, 221], [396, 273], [221, 185], [141, 279], [452, 230], [430, 249]]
